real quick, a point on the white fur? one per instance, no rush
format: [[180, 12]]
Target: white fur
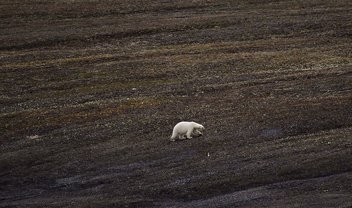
[[188, 129]]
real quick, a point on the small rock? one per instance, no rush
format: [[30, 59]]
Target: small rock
[[33, 137]]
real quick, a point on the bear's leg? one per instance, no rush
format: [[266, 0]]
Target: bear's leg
[[181, 137], [189, 134]]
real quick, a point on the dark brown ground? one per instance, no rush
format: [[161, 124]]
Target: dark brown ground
[[90, 91]]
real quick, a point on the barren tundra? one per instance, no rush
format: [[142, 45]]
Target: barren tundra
[[90, 92]]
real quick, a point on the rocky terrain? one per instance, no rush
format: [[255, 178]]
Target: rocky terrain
[[90, 92]]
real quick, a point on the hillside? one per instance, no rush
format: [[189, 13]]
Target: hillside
[[90, 92]]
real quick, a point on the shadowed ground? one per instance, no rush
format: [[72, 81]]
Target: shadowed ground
[[90, 92]]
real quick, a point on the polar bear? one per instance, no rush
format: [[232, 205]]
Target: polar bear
[[188, 129]]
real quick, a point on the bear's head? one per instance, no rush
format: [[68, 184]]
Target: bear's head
[[201, 127]]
